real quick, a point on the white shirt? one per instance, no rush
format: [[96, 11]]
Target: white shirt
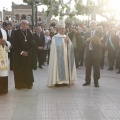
[[47, 40], [9, 32]]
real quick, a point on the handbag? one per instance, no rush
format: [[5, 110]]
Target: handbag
[[33, 59]]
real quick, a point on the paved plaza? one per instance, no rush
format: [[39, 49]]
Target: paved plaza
[[63, 103]]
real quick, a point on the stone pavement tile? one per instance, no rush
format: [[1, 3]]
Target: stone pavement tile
[[74, 114], [63, 119], [72, 106], [62, 114], [87, 106], [73, 118], [113, 118], [115, 98], [81, 94], [23, 119], [49, 119], [53, 114], [111, 113], [4, 119], [94, 119], [46, 107], [91, 113], [118, 105], [63, 103], [61, 107], [107, 106], [47, 115], [5, 106], [6, 114], [101, 100], [24, 114]]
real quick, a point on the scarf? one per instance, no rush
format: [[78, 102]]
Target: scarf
[[111, 43], [3, 55]]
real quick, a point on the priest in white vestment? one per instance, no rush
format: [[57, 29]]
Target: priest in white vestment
[[62, 68], [4, 64]]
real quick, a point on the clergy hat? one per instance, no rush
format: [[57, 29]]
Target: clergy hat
[[60, 24]]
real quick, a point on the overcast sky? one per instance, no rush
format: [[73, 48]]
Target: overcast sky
[[8, 3]]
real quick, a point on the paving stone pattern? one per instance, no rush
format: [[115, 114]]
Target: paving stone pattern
[[63, 103]]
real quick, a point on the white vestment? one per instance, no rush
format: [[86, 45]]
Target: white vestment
[[4, 73], [58, 72]]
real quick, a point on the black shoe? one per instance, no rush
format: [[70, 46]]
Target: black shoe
[[118, 72], [109, 68], [64, 84], [11, 69], [43, 64], [57, 85], [85, 84], [77, 66], [3, 92], [81, 64], [96, 85], [40, 67], [18, 88], [29, 87]]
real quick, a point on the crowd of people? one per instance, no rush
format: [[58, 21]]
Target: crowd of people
[[64, 48]]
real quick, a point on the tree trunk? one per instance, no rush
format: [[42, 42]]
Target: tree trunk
[[49, 18]]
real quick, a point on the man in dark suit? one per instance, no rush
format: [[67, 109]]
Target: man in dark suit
[[112, 47], [82, 30], [93, 52], [40, 41], [10, 37]]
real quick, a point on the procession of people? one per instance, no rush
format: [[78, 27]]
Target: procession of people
[[65, 49]]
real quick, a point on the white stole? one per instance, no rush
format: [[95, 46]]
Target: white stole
[[3, 53]]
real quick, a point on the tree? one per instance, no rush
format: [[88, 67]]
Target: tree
[[104, 9], [55, 7], [33, 4], [99, 7], [30, 2]]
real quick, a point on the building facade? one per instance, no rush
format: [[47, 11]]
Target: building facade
[[21, 12]]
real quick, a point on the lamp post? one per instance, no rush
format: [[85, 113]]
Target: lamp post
[[36, 16], [88, 13], [40, 2], [32, 15], [34, 4]]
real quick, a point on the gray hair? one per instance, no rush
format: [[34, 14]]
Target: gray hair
[[93, 22], [46, 31], [22, 21]]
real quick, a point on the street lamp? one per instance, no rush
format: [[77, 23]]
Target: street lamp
[[34, 3], [38, 2]]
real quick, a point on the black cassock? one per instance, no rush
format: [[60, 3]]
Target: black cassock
[[23, 74]]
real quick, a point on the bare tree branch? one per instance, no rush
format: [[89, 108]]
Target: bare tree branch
[[101, 14]]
